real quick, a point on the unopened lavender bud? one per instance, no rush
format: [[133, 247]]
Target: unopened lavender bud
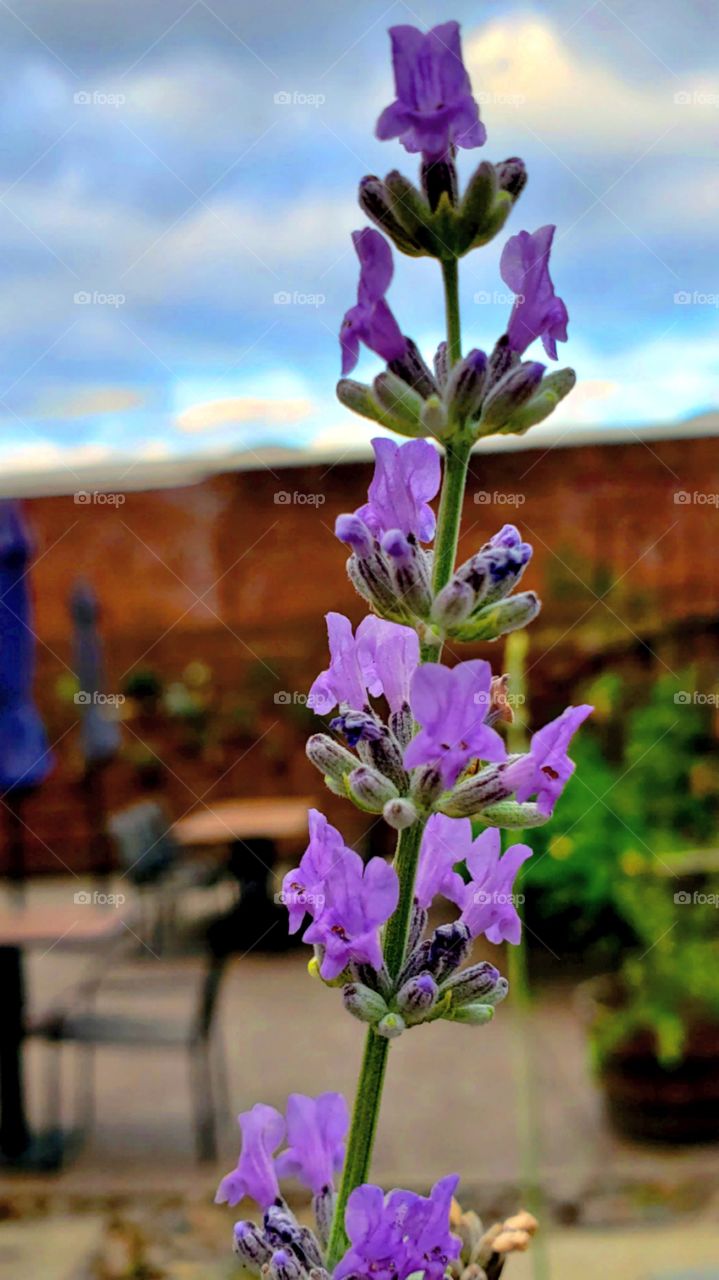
[[480, 984], [474, 1015], [250, 1247], [467, 798], [512, 176], [553, 388], [285, 1266], [512, 816], [401, 723], [323, 1207], [427, 785], [358, 397], [363, 1003], [502, 359], [355, 534], [439, 177], [417, 926], [434, 417], [391, 1026], [499, 619], [371, 579], [399, 814], [441, 365], [401, 400], [369, 789], [515, 389], [448, 948], [465, 387], [413, 370], [411, 209], [330, 757], [453, 604], [376, 202], [385, 755], [476, 206], [417, 997], [409, 568]]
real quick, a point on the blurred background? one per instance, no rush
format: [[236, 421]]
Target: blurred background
[[177, 196]]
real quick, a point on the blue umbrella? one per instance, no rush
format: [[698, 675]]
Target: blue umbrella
[[100, 734], [25, 758]]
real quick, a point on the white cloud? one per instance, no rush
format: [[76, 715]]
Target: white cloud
[[235, 410]]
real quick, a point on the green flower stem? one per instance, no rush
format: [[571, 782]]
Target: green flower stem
[[374, 1063], [368, 1097], [450, 275]]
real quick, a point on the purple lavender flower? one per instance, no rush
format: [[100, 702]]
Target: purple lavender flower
[[263, 1129], [303, 887], [434, 110], [553, 767], [406, 479], [358, 899], [371, 320], [443, 845], [489, 902], [395, 1235], [380, 658], [348, 676], [537, 311], [451, 706], [316, 1130]]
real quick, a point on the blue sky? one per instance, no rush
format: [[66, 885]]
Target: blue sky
[[169, 169]]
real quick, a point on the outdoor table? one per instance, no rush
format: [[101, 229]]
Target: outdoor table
[[38, 927], [250, 828]]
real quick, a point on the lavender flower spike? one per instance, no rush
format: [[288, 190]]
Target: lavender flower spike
[[451, 706], [371, 320], [263, 1129], [358, 900], [444, 843], [553, 767], [537, 312], [316, 1130], [434, 110], [490, 902]]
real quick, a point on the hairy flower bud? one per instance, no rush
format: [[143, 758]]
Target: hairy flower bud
[[401, 723], [376, 202], [426, 786], [391, 1026], [512, 176], [465, 387], [323, 1208], [369, 789], [284, 1265], [399, 814], [441, 365], [509, 394], [363, 1003], [370, 578], [512, 816], [474, 1015], [250, 1247], [412, 368], [330, 757], [483, 788], [499, 619], [453, 604], [481, 983], [412, 211], [397, 397], [553, 388], [448, 948], [385, 754], [409, 568], [417, 997]]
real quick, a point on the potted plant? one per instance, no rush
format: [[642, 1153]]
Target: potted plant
[[654, 1025]]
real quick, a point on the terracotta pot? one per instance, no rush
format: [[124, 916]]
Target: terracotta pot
[[651, 1102]]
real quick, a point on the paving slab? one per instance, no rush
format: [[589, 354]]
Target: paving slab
[[690, 1252], [64, 1248]]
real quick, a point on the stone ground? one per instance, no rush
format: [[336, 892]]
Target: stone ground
[[135, 1197]]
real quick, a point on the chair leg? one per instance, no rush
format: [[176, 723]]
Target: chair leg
[[203, 1102], [85, 1088], [224, 1101], [53, 1086]]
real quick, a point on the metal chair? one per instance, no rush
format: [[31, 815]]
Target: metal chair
[[79, 1022]]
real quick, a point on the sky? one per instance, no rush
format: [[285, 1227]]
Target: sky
[[178, 188]]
